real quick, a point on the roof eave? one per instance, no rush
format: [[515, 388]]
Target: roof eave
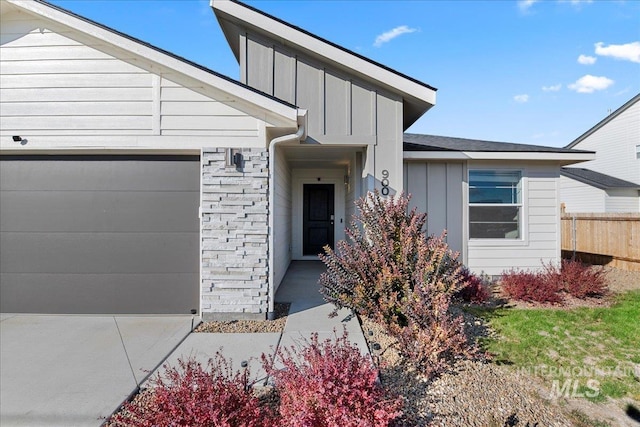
[[562, 158], [596, 184]]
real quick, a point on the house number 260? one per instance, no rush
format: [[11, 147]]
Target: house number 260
[[385, 182]]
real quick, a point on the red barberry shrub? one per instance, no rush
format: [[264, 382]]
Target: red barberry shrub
[[542, 287], [474, 288], [191, 395], [582, 280], [552, 282], [389, 271], [330, 384]]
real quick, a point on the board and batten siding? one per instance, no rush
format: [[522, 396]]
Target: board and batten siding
[[342, 108], [615, 146], [540, 222], [437, 189], [337, 104], [55, 83]]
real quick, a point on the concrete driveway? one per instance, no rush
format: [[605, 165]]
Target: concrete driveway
[[76, 370]]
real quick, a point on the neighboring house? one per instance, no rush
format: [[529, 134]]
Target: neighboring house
[[135, 181], [610, 182]]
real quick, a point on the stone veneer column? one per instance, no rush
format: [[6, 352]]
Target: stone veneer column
[[235, 207]]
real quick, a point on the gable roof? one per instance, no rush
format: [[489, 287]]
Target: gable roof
[[417, 96], [604, 121], [597, 179], [269, 107], [417, 146]]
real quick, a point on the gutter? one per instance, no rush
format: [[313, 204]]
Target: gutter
[[299, 136]]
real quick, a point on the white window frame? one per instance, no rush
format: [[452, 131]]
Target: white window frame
[[522, 211]]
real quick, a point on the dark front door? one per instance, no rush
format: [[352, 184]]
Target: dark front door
[[318, 218]]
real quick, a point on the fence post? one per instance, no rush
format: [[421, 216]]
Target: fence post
[[573, 237]]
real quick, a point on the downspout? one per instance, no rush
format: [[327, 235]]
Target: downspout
[[300, 135]]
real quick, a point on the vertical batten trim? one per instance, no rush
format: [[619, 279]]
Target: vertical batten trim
[[156, 107]]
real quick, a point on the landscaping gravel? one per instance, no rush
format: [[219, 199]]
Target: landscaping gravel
[[472, 393], [249, 326], [622, 280]]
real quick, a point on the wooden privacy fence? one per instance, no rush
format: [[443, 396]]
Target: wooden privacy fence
[[607, 238]]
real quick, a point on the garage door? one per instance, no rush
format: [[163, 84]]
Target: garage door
[[99, 234]]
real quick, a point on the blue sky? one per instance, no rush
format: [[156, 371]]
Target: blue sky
[[536, 72]]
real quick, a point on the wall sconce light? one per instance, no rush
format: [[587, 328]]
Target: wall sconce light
[[17, 138], [237, 160], [234, 158], [346, 180]]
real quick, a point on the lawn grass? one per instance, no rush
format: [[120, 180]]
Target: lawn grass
[[577, 345]]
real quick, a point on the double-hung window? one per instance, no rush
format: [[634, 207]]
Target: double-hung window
[[495, 204]]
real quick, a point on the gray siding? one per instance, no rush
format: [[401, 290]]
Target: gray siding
[[540, 219], [53, 85], [338, 104], [615, 146], [622, 201], [90, 235], [580, 197], [436, 188]]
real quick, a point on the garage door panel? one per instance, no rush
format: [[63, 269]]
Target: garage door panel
[[103, 211], [106, 253], [89, 294], [99, 173], [99, 234]]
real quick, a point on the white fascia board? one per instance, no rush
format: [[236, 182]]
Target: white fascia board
[[319, 47], [269, 109], [565, 158], [434, 155]]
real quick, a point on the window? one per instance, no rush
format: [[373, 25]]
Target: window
[[495, 204]]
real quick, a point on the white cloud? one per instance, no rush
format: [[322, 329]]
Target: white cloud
[[590, 84], [392, 34], [587, 60], [552, 88], [626, 52], [525, 5], [521, 99]]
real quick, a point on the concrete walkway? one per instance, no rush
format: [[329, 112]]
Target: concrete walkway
[[309, 313]]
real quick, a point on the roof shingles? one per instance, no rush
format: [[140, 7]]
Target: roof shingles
[[416, 142], [597, 179]]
